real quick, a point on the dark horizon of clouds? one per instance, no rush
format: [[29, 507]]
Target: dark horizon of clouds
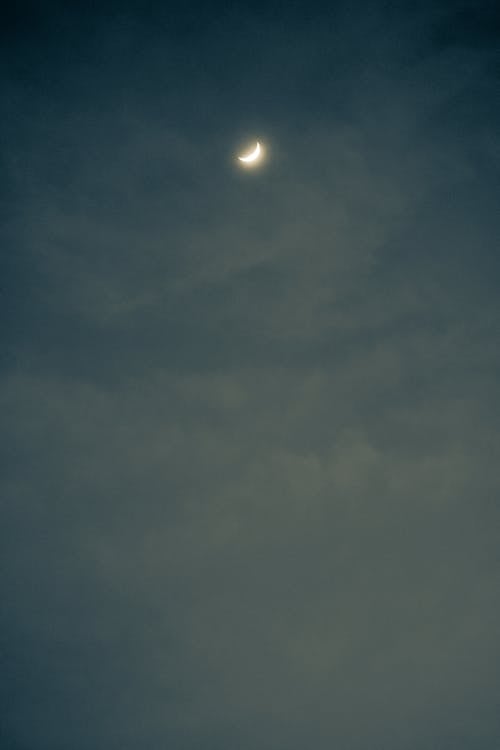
[[250, 420]]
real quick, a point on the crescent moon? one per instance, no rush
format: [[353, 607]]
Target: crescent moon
[[252, 156]]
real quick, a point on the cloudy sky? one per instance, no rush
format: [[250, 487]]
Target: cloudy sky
[[249, 420]]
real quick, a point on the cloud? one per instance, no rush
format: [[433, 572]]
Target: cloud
[[249, 422]]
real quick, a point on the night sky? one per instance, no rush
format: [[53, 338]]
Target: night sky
[[249, 418]]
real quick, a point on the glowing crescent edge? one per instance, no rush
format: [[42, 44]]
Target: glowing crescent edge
[[254, 155]]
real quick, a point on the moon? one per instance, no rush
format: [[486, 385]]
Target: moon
[[252, 156]]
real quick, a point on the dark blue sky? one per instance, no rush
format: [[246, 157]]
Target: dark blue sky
[[249, 421]]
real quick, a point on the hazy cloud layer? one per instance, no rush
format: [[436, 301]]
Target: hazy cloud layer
[[250, 421]]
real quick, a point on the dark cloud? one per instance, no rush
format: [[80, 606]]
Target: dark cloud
[[250, 420]]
